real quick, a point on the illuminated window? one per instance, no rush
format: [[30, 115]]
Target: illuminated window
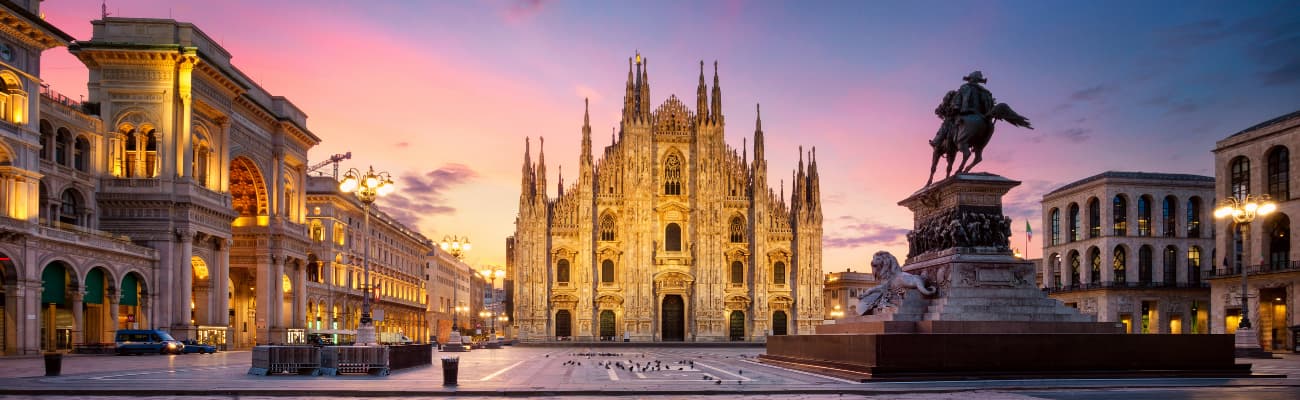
[[1194, 217], [1056, 226], [1094, 217], [1144, 215], [1119, 264], [1119, 215]]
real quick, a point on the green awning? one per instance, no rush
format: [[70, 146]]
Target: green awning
[[95, 287], [129, 289], [54, 281]]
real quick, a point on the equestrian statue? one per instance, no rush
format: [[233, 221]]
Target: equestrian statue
[[969, 115]]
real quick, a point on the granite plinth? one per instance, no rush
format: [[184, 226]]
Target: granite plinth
[[931, 355]]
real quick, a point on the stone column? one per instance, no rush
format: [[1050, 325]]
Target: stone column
[[276, 316], [113, 298], [144, 317], [222, 279], [265, 294], [76, 296], [299, 294], [184, 293], [1108, 263]]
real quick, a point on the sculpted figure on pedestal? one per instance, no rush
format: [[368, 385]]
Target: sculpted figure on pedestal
[[969, 115], [893, 284]]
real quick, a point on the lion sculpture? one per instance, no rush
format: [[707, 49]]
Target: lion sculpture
[[893, 283]]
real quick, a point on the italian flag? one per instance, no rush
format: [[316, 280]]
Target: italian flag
[[1029, 232]]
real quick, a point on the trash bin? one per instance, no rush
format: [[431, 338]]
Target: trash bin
[[53, 364], [1295, 339], [449, 367]]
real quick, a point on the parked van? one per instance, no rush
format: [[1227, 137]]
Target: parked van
[[147, 341]]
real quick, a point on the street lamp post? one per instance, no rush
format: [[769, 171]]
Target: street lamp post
[[491, 274], [1243, 211], [367, 186]]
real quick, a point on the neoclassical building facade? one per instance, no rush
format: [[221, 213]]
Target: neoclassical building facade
[[172, 198], [1257, 161], [1132, 247], [335, 281], [671, 235]]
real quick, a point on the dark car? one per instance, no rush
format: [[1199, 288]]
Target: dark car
[[147, 341], [192, 346]]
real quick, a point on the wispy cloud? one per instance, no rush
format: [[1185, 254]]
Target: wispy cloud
[[425, 194], [860, 232]]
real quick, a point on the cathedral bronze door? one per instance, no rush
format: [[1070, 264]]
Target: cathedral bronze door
[[673, 319], [737, 325], [563, 324], [778, 323], [606, 325]]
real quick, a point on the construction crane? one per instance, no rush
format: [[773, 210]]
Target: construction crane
[[334, 159]]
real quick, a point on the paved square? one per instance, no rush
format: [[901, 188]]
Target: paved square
[[581, 371]]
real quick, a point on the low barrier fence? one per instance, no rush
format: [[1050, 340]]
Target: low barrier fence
[[334, 360], [285, 360], [410, 356]]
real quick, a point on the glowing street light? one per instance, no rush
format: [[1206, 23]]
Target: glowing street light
[[1243, 211], [367, 186]]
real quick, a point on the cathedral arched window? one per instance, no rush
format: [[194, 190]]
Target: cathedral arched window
[[737, 273], [672, 175], [607, 228], [673, 237], [607, 271], [562, 271], [1119, 215], [1239, 177], [737, 230], [1279, 166], [778, 273]]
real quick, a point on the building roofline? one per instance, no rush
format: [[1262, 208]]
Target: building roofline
[[1133, 175]]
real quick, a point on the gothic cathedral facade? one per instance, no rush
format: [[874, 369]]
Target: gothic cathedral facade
[[671, 235]]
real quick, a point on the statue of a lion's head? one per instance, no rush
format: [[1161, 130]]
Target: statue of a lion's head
[[884, 266]]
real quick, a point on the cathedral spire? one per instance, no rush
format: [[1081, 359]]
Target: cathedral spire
[[559, 186], [628, 105], [541, 167], [758, 133], [717, 95], [636, 90], [645, 87], [702, 98], [526, 184], [586, 131]]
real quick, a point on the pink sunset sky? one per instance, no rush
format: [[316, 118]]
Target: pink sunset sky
[[442, 94]]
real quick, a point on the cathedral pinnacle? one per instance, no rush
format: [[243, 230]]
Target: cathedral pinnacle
[[702, 97], [717, 95]]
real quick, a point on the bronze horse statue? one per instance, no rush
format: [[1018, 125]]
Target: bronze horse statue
[[966, 133]]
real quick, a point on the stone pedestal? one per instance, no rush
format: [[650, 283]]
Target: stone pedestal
[[986, 317], [1246, 344], [366, 335]]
